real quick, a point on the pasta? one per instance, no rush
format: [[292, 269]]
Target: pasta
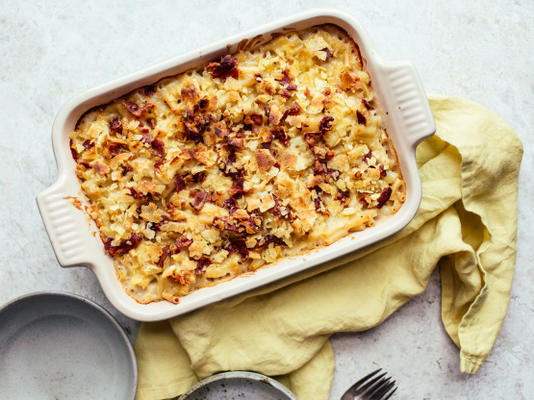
[[259, 155]]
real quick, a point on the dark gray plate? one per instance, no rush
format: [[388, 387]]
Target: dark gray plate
[[62, 346], [238, 385]]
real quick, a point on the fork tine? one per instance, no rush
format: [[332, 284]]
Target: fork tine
[[357, 385], [391, 394], [381, 392], [365, 378], [351, 392], [369, 393], [369, 384]]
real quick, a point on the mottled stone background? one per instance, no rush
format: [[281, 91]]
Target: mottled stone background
[[481, 50]]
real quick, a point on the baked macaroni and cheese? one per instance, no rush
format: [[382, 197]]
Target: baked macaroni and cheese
[[259, 155]]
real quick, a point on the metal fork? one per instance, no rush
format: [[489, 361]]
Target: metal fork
[[380, 387]]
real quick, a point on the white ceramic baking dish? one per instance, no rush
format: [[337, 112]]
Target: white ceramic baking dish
[[408, 121]]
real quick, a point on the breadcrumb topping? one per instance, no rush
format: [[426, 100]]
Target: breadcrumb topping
[[220, 170]]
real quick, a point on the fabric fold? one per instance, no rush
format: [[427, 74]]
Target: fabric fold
[[466, 225]]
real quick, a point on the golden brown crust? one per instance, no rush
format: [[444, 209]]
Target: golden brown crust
[[259, 155]]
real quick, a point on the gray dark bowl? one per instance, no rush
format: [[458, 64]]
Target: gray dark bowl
[[238, 385], [63, 346]]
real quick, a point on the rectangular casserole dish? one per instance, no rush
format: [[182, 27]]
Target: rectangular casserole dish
[[408, 121]]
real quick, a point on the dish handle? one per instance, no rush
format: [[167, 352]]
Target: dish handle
[[410, 101], [66, 225]]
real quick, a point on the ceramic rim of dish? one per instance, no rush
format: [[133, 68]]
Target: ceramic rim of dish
[[408, 120], [248, 375]]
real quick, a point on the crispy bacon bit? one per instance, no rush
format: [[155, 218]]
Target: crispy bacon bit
[[323, 153], [221, 131], [199, 177], [361, 119], [146, 139], [326, 124], [268, 239], [383, 172], [149, 90], [189, 92], [332, 175], [145, 130], [202, 264], [289, 88], [135, 194], [239, 222], [179, 183], [237, 143], [280, 134], [364, 202], [224, 69], [203, 103], [115, 148], [238, 245], [124, 247], [126, 169], [150, 122], [254, 223], [195, 125], [159, 147], [384, 197], [318, 168], [366, 104], [133, 108], [199, 200], [320, 207], [293, 110], [265, 159], [280, 210], [165, 253], [183, 243], [115, 125], [137, 110], [237, 189], [256, 118], [230, 203], [367, 156], [328, 53], [313, 138], [156, 227], [72, 150], [286, 79], [224, 223], [88, 144], [343, 197]]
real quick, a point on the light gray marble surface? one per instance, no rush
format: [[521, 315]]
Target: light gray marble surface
[[481, 50]]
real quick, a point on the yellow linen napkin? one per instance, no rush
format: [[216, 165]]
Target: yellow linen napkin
[[466, 225]]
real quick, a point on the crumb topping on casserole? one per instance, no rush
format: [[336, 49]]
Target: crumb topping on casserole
[[259, 155]]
